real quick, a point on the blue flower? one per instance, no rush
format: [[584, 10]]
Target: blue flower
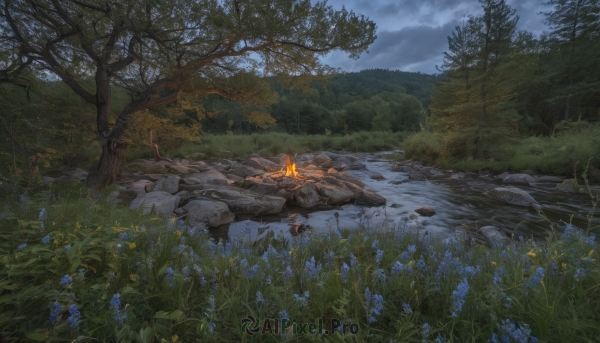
[[537, 277], [375, 244], [226, 273], [74, 316], [186, 271], [124, 236], [498, 275], [170, 273], [404, 257], [55, 312], [46, 239], [553, 268], [22, 246], [251, 272], [378, 256], [407, 308], [312, 269], [459, 295], [269, 280], [426, 331], [520, 333], [284, 315], [353, 261], [344, 272], [591, 240], [440, 339], [580, 273], [287, 274], [412, 249], [259, 298], [302, 300], [380, 275], [66, 281], [68, 246], [397, 268], [115, 304], [377, 307]]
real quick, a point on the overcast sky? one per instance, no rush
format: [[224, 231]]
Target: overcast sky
[[412, 34]]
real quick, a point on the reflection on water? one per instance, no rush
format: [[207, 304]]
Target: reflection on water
[[457, 203]]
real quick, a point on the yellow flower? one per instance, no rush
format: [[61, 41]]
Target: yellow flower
[[133, 277], [591, 253], [174, 338], [77, 225], [564, 265], [555, 252], [343, 241], [163, 340], [493, 263], [416, 292], [53, 223], [542, 282], [178, 233], [131, 245], [531, 253], [411, 263]]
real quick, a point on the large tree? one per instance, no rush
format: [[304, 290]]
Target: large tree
[[162, 50]]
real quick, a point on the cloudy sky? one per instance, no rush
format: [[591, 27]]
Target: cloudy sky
[[412, 34]]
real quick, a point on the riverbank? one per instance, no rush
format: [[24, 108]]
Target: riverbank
[[90, 268]]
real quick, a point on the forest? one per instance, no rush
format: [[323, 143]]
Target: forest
[[187, 170]]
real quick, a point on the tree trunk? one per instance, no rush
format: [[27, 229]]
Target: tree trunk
[[107, 170]]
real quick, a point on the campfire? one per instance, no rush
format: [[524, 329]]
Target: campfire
[[290, 167]]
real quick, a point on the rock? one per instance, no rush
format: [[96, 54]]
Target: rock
[[357, 166], [251, 181], [436, 173], [243, 171], [282, 193], [457, 176], [289, 183], [242, 201], [179, 211], [78, 174], [413, 216], [149, 187], [211, 176], [322, 161], [425, 211], [416, 176], [503, 175], [185, 162], [549, 178], [369, 198], [184, 195], [169, 185], [401, 168], [570, 186], [113, 195], [496, 239], [512, 195], [306, 196], [376, 176], [331, 171], [519, 178], [162, 202], [181, 169], [334, 194], [212, 213], [341, 183], [348, 178], [235, 178], [262, 163], [264, 188], [139, 187], [48, 179]]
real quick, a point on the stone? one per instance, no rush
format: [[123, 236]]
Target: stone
[[401, 168], [416, 176], [211, 176], [306, 196], [322, 161], [349, 178], [162, 202], [569, 186], [251, 181], [357, 166], [242, 201], [369, 198], [235, 178], [519, 178], [184, 195], [549, 178], [139, 187], [48, 179], [341, 183], [262, 163], [496, 239], [264, 188], [376, 176], [289, 183], [210, 212], [169, 184], [425, 211], [331, 171], [334, 194], [512, 195], [243, 171], [457, 176], [282, 193], [149, 187], [181, 169]]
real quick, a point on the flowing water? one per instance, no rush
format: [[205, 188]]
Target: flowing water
[[458, 203]]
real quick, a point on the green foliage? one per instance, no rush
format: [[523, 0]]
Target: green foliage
[[424, 146], [176, 285]]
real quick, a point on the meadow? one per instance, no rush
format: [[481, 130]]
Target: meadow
[[78, 267]]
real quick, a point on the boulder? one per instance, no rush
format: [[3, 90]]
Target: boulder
[[169, 185], [334, 194], [184, 195], [549, 178], [331, 171], [357, 166], [251, 181], [181, 169], [211, 177], [570, 186], [416, 176], [289, 183], [348, 178], [322, 161], [162, 202], [376, 176], [457, 176], [243, 171], [212, 213], [242, 201], [496, 239], [425, 211], [341, 183], [306, 196], [262, 163], [369, 198], [139, 187], [512, 195], [235, 178], [264, 188], [519, 178], [282, 193]]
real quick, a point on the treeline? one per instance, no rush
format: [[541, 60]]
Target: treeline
[[499, 83], [376, 99]]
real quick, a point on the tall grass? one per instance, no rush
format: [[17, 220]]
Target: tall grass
[[132, 278]]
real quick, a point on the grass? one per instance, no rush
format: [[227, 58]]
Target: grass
[[555, 155], [174, 284]]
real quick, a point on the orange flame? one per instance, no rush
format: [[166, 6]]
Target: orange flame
[[290, 168]]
